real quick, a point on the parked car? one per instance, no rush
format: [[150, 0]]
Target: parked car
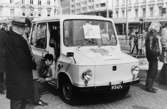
[[87, 54]]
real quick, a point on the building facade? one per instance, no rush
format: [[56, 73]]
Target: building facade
[[139, 9], [65, 4], [93, 7], [30, 8], [138, 12], [133, 11]]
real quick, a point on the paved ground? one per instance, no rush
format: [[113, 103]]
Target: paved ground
[[137, 99]]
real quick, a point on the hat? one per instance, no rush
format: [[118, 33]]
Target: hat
[[22, 22]]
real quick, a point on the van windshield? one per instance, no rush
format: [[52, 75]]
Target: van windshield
[[89, 32]]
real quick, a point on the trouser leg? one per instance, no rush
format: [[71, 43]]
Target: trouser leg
[[148, 75], [133, 47], [152, 73], [2, 82], [17, 104], [36, 91], [137, 50]]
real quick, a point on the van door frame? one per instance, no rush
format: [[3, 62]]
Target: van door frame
[[51, 51]]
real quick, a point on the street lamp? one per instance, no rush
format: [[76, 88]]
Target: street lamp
[[127, 25]]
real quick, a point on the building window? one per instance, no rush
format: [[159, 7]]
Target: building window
[[123, 13], [151, 11], [11, 1], [102, 4], [23, 14], [144, 12], [136, 12], [48, 2], [12, 12], [160, 11], [117, 14], [97, 5], [73, 11], [39, 2], [31, 2], [72, 6], [23, 1]]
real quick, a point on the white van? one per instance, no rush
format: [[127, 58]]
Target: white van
[[87, 54]]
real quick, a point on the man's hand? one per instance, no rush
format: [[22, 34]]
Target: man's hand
[[41, 80], [48, 79]]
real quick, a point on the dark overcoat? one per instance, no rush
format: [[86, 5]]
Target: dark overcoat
[[16, 61], [154, 52]]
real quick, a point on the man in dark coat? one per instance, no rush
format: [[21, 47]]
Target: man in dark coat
[[152, 53], [16, 62]]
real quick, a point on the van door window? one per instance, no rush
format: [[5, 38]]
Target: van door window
[[39, 36], [54, 28]]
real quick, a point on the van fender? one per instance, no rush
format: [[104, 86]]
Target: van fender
[[64, 74]]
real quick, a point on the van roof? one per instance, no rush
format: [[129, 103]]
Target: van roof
[[64, 17]]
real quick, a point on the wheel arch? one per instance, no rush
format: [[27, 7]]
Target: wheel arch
[[64, 75]]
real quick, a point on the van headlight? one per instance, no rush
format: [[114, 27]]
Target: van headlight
[[86, 76], [135, 71]]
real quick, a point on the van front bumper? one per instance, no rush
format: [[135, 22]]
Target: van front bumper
[[109, 87]]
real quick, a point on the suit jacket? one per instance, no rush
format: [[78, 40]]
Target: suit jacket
[[152, 50], [16, 62]]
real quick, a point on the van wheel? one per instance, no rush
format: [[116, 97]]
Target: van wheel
[[67, 91]]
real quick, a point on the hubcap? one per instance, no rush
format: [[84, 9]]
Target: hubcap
[[67, 91]]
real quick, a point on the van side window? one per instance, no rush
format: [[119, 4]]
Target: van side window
[[39, 36]]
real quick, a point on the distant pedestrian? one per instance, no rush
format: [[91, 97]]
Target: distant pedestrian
[[140, 44], [16, 62], [131, 39], [163, 57], [152, 53], [143, 42], [135, 46]]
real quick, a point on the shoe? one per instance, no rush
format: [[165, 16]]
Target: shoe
[[155, 89], [44, 102], [152, 90], [41, 103]]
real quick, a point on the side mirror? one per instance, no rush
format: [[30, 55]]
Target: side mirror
[[70, 54]]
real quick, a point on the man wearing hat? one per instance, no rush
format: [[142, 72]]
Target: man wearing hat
[[16, 62], [153, 50]]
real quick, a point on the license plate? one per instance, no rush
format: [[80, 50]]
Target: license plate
[[115, 87]]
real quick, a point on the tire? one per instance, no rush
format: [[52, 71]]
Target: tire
[[67, 91]]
